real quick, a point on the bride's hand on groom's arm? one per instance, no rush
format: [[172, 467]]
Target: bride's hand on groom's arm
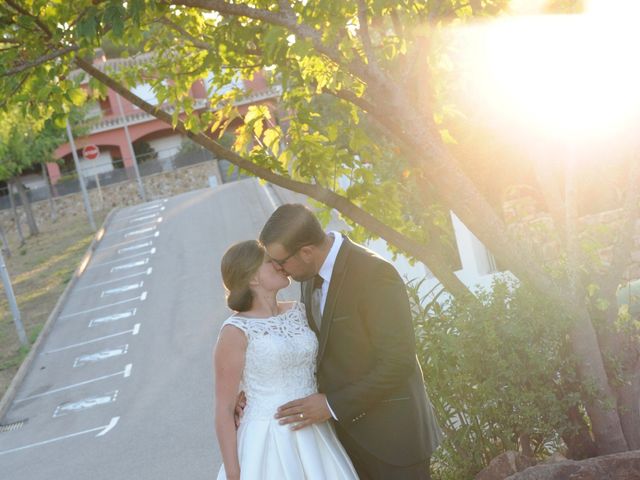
[[305, 411]]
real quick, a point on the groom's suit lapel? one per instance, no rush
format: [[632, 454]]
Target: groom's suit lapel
[[335, 285]]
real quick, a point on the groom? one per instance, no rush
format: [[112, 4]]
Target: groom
[[370, 381]]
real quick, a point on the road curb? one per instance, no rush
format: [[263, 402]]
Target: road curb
[[10, 394]]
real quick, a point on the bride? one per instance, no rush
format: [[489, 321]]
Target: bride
[[268, 351]]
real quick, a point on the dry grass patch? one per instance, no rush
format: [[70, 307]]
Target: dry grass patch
[[40, 271]]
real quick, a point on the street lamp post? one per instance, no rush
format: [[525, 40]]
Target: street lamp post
[[13, 304], [130, 144]]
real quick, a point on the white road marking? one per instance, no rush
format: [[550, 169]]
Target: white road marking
[[112, 318], [127, 266], [85, 404], [157, 220], [142, 297], [135, 247], [124, 288], [134, 331], [125, 373], [143, 218], [151, 251], [108, 428], [161, 208], [99, 356], [103, 431], [127, 242], [146, 272], [152, 206], [139, 232]]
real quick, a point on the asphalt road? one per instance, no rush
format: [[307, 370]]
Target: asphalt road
[[122, 387]]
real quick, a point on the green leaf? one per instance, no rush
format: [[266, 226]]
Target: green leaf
[[77, 96], [114, 16], [88, 25]]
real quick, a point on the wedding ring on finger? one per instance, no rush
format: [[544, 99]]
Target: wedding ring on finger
[[301, 416]]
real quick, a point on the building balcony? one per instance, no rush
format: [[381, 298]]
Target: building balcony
[[113, 122]]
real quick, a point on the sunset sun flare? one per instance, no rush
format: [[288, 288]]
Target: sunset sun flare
[[565, 75]]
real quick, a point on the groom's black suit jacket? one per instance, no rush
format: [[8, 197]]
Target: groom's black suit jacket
[[367, 363]]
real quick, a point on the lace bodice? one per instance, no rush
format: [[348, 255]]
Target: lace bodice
[[280, 360]]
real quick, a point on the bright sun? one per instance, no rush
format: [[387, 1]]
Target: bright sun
[[566, 75]]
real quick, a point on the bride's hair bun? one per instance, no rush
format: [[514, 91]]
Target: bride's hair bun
[[239, 264], [240, 300]]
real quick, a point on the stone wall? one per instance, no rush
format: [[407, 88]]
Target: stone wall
[[160, 185]]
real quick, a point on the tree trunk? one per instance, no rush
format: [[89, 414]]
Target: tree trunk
[[601, 407], [622, 347], [26, 205], [16, 216], [579, 443], [629, 408], [52, 205]]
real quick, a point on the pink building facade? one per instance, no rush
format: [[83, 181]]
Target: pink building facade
[[109, 116]]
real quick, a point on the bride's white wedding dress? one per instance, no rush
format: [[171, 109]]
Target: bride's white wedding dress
[[280, 367]]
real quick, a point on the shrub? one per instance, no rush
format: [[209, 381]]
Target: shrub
[[498, 372]]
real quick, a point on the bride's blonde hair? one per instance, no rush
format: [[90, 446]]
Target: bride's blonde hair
[[239, 263]]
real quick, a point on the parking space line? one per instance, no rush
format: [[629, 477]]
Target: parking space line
[[85, 404], [104, 429], [124, 288], [151, 207], [142, 298], [139, 232], [127, 242], [134, 331], [161, 209], [151, 251], [143, 218], [99, 356], [158, 220], [125, 373], [126, 277], [112, 318], [127, 266], [135, 247]]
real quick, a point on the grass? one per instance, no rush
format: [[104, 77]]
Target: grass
[[40, 270]]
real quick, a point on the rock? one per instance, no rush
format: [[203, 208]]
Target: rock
[[505, 464], [618, 466], [555, 457]]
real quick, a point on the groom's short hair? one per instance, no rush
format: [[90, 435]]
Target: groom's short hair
[[293, 226]]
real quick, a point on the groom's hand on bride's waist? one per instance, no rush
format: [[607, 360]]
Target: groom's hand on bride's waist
[[241, 402], [304, 412]]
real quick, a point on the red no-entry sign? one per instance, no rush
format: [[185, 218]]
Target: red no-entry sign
[[90, 152]]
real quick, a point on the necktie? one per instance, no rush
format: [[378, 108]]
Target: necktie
[[316, 300]]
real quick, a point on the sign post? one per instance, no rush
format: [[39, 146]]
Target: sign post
[[92, 152]]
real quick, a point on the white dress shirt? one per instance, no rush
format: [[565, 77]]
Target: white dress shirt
[[326, 270]]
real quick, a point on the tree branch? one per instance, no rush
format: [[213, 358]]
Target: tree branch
[[39, 61], [356, 67], [363, 32], [351, 97], [23, 11], [196, 42], [433, 260]]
